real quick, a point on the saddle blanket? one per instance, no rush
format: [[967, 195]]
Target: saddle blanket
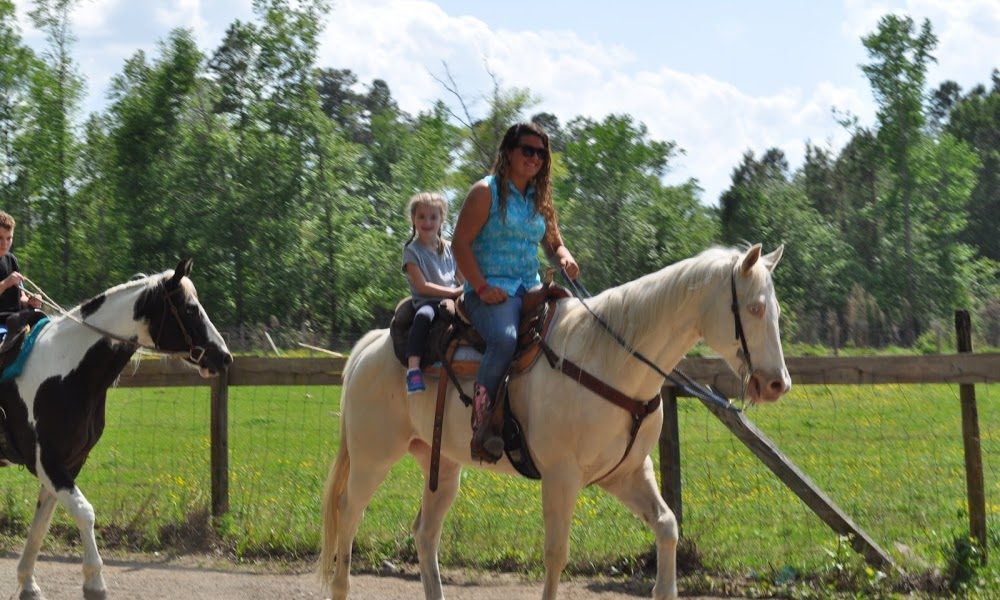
[[14, 369]]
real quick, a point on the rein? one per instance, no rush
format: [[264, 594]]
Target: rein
[[190, 353], [687, 385]]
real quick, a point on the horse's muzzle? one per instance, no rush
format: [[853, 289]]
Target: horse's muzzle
[[768, 386], [213, 360]]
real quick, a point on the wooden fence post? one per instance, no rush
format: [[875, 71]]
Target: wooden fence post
[[220, 444], [970, 435], [670, 455]]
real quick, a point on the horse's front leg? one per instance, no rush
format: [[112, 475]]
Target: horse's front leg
[[83, 513], [560, 488], [27, 587], [433, 508], [637, 490]]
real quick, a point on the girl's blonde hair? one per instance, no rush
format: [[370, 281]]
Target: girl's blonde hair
[[541, 181], [433, 200]]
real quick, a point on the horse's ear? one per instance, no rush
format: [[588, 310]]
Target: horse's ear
[[750, 259], [183, 269], [771, 260]]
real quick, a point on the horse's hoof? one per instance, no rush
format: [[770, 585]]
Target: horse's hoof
[[95, 594], [30, 595]]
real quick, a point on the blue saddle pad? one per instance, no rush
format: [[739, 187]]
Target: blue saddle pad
[[15, 368]]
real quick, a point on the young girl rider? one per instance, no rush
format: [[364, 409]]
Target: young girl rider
[[430, 268]]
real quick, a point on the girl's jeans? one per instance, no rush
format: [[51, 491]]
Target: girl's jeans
[[416, 342], [497, 323]]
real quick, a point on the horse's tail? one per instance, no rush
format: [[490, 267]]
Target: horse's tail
[[336, 481]]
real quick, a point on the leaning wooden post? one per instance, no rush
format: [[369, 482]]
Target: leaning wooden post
[[670, 454], [220, 444], [970, 435]]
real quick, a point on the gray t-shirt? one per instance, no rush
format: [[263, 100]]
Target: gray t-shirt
[[436, 268]]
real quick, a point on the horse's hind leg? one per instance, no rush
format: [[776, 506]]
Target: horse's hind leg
[[362, 482], [28, 588], [637, 490], [433, 508]]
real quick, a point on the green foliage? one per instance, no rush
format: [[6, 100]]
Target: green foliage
[[286, 181], [964, 561], [618, 217]]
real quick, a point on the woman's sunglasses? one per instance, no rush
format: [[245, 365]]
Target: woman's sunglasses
[[531, 151]]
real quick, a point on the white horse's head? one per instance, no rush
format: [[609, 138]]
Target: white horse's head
[[756, 315]]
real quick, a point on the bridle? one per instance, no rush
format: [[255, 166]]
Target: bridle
[[194, 353], [682, 381], [744, 352], [192, 348]]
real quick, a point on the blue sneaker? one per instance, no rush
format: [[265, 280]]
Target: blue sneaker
[[414, 381]]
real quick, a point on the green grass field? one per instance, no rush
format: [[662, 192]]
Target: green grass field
[[891, 456]]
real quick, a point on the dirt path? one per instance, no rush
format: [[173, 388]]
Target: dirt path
[[206, 578]]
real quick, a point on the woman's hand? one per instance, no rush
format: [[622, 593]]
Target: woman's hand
[[568, 264], [493, 295]]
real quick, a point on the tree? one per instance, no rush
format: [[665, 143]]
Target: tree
[[56, 91], [975, 120], [16, 64], [617, 216], [897, 72], [146, 119], [764, 204]]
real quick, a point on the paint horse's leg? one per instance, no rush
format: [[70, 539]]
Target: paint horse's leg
[[83, 513], [560, 488], [637, 490], [27, 588], [433, 508]]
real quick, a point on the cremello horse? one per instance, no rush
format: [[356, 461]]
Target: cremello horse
[[575, 436]]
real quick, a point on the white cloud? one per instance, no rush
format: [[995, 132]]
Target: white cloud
[[183, 13], [405, 43], [91, 18]]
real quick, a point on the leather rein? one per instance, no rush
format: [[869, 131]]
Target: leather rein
[[639, 409]]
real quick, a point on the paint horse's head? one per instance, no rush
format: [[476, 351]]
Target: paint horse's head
[[176, 322]]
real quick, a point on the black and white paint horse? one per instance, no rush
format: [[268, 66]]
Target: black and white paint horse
[[55, 407]]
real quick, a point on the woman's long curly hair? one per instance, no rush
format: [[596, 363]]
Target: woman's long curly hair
[[541, 181]]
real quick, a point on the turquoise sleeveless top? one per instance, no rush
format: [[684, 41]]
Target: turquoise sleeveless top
[[507, 249]]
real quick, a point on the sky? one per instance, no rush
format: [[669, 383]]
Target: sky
[[718, 77]]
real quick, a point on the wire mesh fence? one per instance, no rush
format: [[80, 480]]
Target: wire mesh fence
[[890, 455]]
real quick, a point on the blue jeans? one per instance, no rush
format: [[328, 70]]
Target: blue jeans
[[497, 323]]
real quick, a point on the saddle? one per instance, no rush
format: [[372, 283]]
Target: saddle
[[10, 347], [452, 331]]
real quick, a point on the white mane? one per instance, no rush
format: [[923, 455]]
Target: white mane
[[671, 291]]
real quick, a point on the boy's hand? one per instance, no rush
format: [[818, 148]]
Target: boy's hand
[[12, 280], [34, 301]]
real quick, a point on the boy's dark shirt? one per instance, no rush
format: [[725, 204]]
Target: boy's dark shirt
[[10, 299]]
